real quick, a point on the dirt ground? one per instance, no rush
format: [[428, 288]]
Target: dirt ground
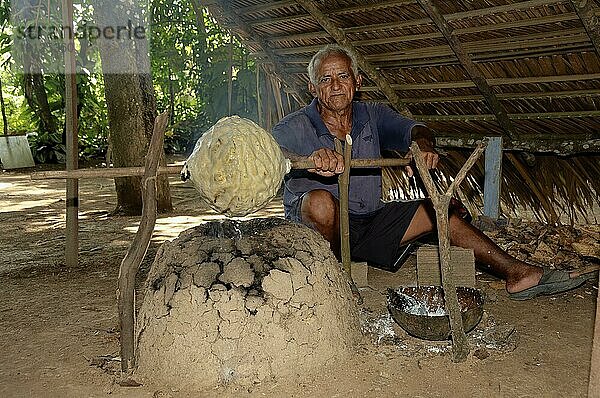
[[59, 337]]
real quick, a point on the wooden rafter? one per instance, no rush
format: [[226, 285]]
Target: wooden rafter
[[512, 116], [531, 143], [505, 96], [587, 11], [523, 5], [535, 39], [275, 5], [340, 37], [547, 19], [302, 95], [470, 67], [531, 44], [415, 58], [499, 81]]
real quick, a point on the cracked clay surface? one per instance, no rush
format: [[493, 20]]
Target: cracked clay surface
[[244, 302]]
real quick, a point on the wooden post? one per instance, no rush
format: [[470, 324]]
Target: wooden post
[[72, 200], [139, 246], [594, 386], [258, 98], [441, 202], [230, 75], [343, 186], [493, 178]]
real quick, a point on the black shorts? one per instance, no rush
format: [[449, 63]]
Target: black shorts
[[375, 237]]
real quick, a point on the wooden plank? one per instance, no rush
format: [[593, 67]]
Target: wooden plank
[[462, 262], [493, 178], [72, 194]]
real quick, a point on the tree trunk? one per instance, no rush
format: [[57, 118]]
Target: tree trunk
[[131, 108], [35, 91]]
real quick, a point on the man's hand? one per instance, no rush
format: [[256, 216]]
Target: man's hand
[[424, 138], [327, 162]]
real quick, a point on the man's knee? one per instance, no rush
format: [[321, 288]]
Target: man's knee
[[319, 207]]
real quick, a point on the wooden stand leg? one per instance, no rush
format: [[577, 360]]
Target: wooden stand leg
[[344, 184], [441, 202], [139, 246]]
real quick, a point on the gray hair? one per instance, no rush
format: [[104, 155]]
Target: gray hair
[[330, 49]]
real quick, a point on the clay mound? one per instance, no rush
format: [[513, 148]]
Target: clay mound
[[244, 302]]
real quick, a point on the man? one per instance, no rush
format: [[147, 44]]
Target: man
[[378, 231]]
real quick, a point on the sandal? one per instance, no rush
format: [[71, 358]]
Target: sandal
[[553, 281]]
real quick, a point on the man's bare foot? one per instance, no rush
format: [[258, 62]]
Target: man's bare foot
[[528, 276]]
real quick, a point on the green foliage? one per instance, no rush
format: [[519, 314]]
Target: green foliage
[[47, 147], [190, 64]]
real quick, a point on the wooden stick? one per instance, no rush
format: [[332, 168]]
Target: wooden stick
[[71, 132], [358, 163], [343, 186], [139, 246], [441, 202], [594, 384], [174, 169], [103, 172]]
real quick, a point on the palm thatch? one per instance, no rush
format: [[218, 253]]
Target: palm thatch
[[525, 70]]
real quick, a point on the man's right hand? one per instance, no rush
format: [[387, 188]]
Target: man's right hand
[[327, 162]]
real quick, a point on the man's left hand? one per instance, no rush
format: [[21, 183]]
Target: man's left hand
[[430, 156]]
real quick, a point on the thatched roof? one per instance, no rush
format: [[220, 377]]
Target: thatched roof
[[526, 70]]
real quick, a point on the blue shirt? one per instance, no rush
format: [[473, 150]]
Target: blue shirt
[[374, 127]]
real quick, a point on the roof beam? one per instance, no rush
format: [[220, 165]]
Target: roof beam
[[505, 96], [528, 40], [547, 19], [291, 80], [514, 116], [527, 44], [470, 67], [365, 65], [587, 11], [270, 6], [499, 81], [523, 5], [533, 143], [437, 61]]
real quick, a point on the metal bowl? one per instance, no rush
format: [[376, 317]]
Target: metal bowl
[[420, 310]]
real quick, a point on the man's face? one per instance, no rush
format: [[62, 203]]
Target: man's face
[[336, 83]]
